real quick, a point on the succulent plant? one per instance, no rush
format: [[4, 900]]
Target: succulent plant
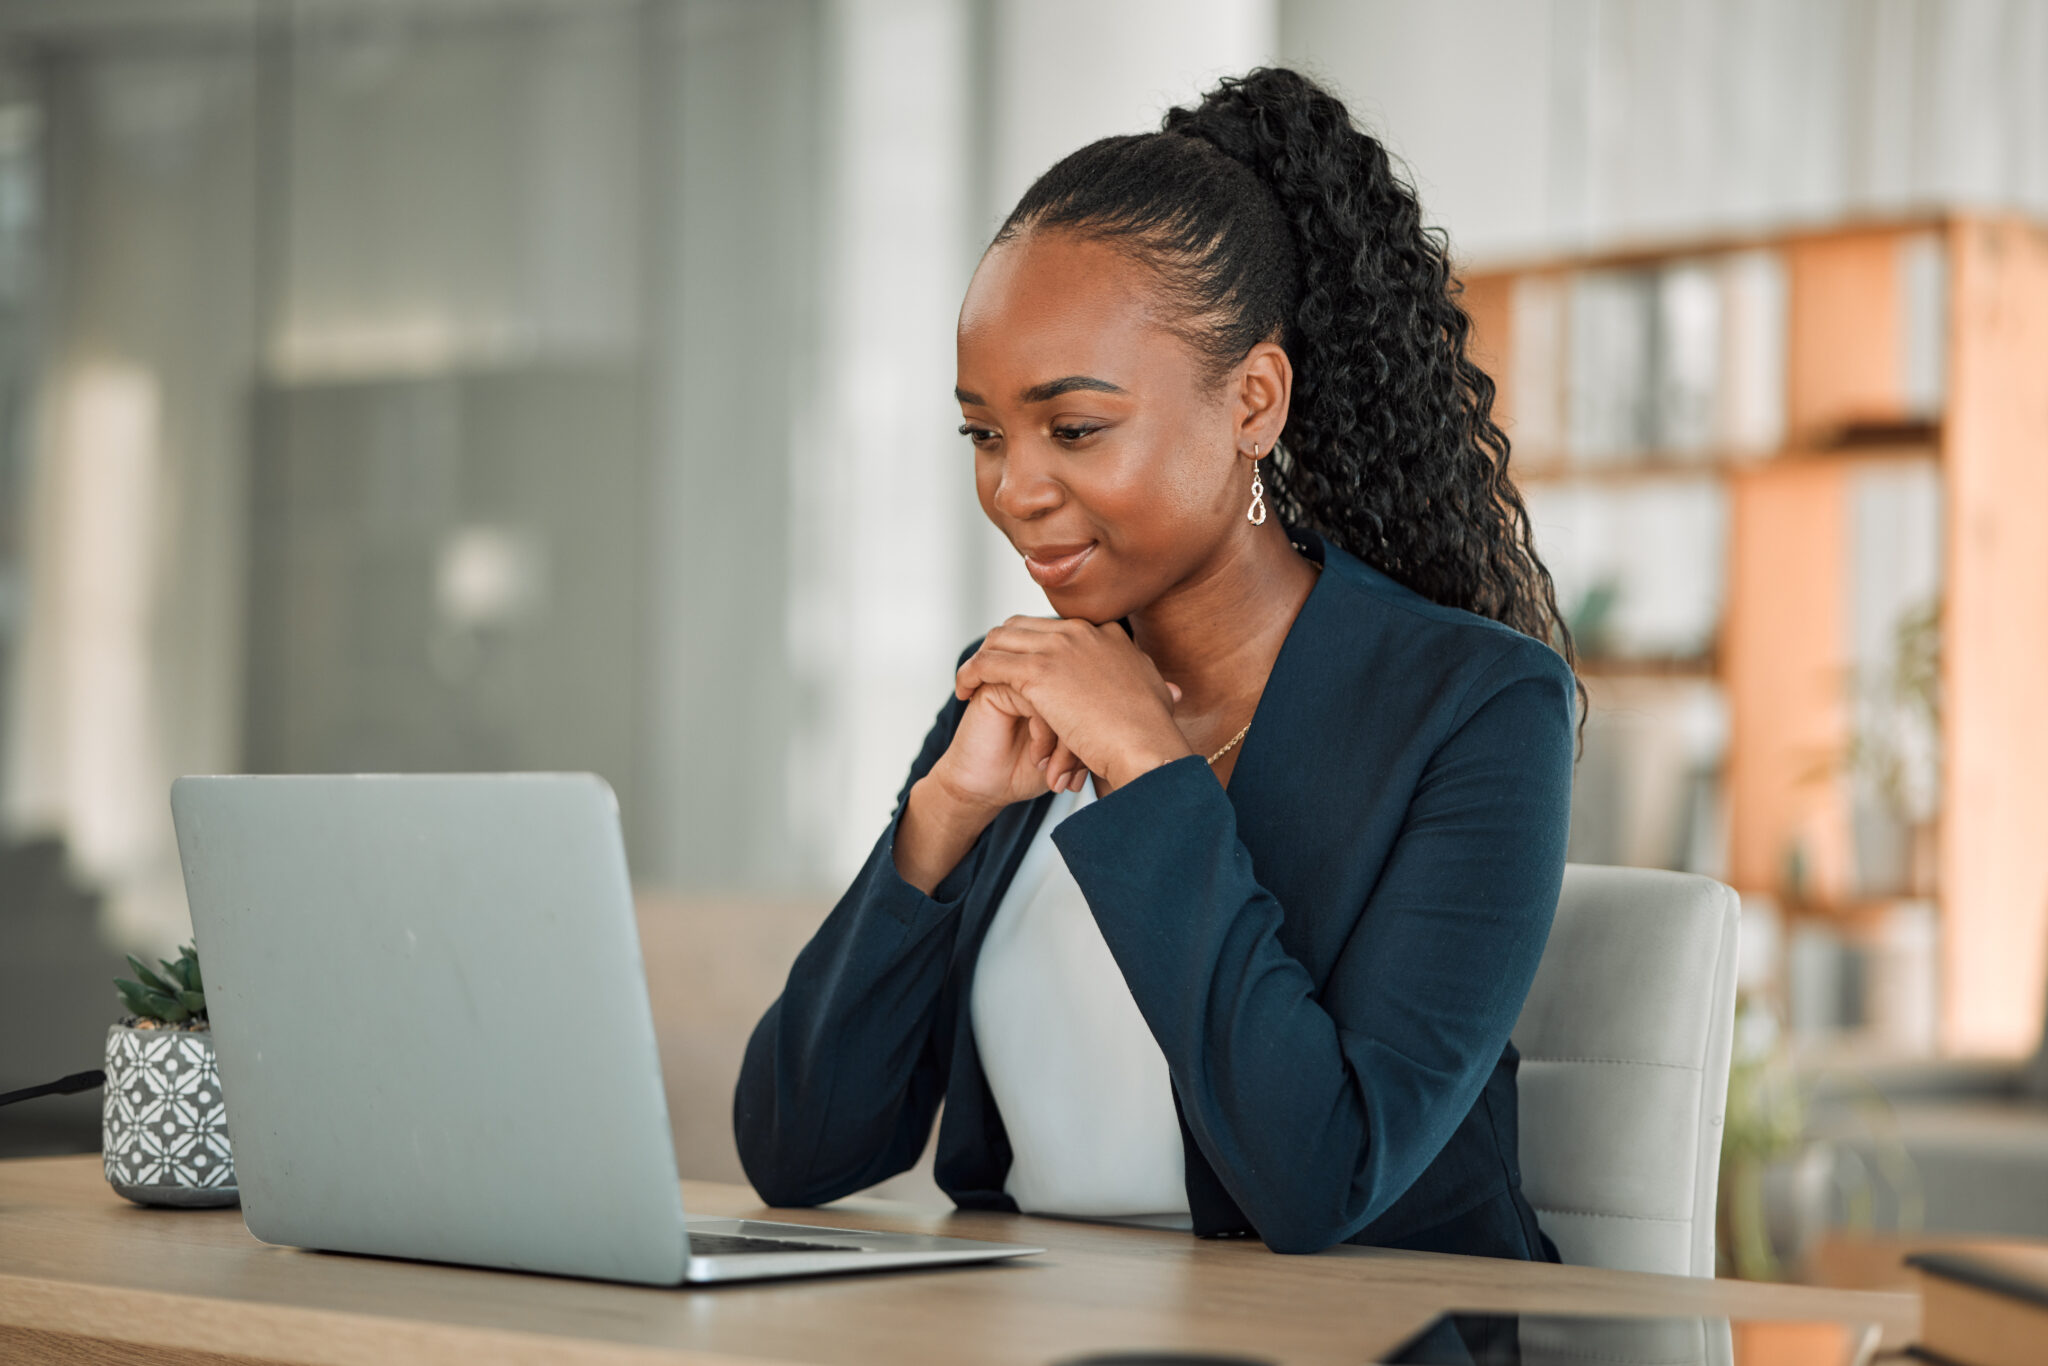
[[177, 995]]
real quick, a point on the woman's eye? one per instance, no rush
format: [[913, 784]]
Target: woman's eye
[[1074, 433], [978, 435]]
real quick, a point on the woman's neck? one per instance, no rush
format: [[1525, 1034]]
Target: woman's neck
[[1216, 634]]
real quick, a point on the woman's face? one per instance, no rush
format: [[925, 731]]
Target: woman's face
[[1101, 448]]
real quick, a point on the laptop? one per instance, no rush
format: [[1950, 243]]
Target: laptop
[[434, 1037]]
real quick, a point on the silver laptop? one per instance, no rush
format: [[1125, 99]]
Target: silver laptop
[[434, 1034]]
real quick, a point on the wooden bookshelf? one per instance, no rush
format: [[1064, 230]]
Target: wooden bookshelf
[[1859, 359], [1653, 465], [1648, 666]]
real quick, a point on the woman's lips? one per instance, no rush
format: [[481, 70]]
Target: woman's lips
[[1055, 565]]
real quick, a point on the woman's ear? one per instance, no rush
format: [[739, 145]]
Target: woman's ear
[[1265, 382]]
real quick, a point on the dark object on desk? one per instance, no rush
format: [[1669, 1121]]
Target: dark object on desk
[[63, 1086], [1987, 1308], [1530, 1339], [739, 1245]]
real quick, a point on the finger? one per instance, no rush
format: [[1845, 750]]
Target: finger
[[1024, 635], [1060, 768], [1006, 700], [972, 672], [1038, 625], [988, 665], [1043, 742], [967, 677]]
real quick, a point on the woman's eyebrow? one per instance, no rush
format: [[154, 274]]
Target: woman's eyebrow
[[1051, 389]]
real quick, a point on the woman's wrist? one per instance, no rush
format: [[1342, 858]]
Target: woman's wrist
[[938, 827], [1138, 760]]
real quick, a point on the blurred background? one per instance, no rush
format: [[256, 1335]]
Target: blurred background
[[417, 385]]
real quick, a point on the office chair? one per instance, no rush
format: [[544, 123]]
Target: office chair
[[1625, 1041]]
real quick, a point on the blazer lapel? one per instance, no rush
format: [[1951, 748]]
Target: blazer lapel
[[1265, 788]]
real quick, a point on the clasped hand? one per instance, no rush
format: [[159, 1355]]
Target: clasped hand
[[1048, 701]]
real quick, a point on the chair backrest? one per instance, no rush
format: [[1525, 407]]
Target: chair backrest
[[1625, 1041]]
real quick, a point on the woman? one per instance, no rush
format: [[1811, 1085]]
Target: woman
[[1212, 901]]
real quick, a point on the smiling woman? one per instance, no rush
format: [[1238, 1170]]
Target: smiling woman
[[1212, 899]]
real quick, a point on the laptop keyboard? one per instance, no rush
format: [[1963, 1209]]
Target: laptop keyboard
[[734, 1244]]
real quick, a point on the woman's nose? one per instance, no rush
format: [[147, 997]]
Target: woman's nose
[[1026, 488]]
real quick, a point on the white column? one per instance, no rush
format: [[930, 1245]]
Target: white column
[[876, 575]]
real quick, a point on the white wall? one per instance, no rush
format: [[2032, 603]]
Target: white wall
[[876, 607], [734, 283], [1539, 126]]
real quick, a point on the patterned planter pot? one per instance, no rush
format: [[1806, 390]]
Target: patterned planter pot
[[164, 1131]]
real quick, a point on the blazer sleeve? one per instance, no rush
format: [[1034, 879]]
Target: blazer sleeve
[[843, 1075], [1319, 1109]]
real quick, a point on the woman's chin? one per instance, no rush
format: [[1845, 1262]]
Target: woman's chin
[[1080, 604]]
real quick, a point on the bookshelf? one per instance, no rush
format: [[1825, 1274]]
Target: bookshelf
[[1797, 485]]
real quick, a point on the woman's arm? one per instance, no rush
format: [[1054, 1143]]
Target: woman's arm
[[1319, 1110], [844, 1073]]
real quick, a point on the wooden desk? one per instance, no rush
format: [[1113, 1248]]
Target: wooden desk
[[86, 1277]]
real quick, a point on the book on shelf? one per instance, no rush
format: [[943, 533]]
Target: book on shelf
[[1985, 1307], [1674, 364], [1536, 376], [1686, 358], [1923, 331], [1610, 330], [1749, 416]]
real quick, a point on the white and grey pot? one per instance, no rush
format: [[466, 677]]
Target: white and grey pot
[[164, 1130]]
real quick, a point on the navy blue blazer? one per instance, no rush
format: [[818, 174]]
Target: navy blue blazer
[[1331, 953]]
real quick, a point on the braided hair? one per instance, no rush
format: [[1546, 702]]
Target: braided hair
[[1267, 215]]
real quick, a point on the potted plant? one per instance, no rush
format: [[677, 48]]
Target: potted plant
[[164, 1129]]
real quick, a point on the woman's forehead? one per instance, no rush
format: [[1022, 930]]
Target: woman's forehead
[[1047, 304]]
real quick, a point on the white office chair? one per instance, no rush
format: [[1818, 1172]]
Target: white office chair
[[1625, 1042]]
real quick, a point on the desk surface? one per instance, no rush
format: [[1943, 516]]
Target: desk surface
[[81, 1268]]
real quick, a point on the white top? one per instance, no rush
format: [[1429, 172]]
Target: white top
[[1076, 1074]]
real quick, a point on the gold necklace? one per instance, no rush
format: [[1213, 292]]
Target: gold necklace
[[1248, 725], [1233, 742]]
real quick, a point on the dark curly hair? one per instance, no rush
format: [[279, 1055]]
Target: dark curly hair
[[1268, 215]]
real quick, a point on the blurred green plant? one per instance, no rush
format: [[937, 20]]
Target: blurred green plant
[[1766, 1123], [1895, 744], [177, 995], [1768, 1139], [1896, 749], [1591, 619]]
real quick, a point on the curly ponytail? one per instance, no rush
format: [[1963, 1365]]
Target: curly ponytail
[[1268, 215]]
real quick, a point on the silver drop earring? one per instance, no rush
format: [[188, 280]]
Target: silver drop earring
[[1256, 513]]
